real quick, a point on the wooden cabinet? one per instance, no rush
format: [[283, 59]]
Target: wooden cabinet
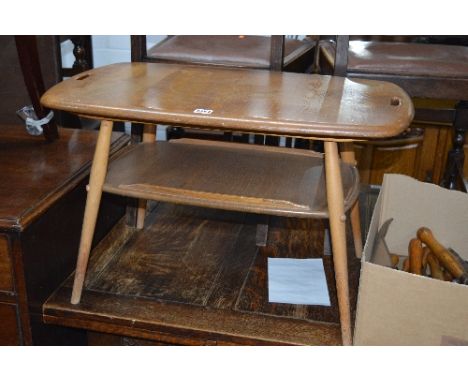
[[10, 332], [422, 155], [6, 278], [399, 155], [194, 276], [42, 196]]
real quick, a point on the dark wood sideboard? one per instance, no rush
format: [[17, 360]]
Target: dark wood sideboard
[[42, 197]]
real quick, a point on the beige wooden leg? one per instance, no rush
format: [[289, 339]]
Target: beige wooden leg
[[96, 181], [348, 156], [338, 236], [149, 135]]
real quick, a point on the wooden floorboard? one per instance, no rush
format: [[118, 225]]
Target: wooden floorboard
[[294, 238], [197, 272], [176, 258], [146, 318]]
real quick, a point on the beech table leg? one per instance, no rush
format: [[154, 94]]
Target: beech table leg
[[348, 156], [96, 181], [149, 135], [338, 235]]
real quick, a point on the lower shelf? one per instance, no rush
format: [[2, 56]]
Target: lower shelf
[[229, 176], [195, 276]]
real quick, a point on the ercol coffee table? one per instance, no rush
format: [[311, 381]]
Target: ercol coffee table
[[230, 176]]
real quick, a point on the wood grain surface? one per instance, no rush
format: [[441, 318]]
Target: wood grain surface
[[291, 104], [434, 71], [194, 275], [230, 176], [9, 315], [33, 171], [228, 50], [6, 277]]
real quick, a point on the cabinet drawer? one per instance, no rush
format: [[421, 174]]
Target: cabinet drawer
[[6, 275], [9, 330]]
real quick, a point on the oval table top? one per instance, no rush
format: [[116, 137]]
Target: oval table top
[[257, 101]]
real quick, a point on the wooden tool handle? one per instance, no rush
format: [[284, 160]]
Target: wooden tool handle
[[447, 275], [436, 272], [449, 262], [426, 253], [415, 251], [406, 265]]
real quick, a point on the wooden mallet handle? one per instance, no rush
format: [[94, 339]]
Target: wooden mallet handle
[[436, 272], [406, 265], [426, 253], [415, 251], [448, 261]]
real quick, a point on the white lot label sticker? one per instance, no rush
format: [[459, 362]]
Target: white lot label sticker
[[203, 111]]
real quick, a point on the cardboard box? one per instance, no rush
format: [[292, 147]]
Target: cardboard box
[[399, 308]]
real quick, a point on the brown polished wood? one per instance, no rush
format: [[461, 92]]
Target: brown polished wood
[[276, 52], [13, 91], [330, 108], [34, 172], [42, 196], [10, 333], [401, 155], [232, 176], [82, 51], [194, 276], [432, 71], [244, 100], [256, 52], [423, 70], [421, 152], [6, 275]]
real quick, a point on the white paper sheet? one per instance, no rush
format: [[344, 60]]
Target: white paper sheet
[[297, 281]]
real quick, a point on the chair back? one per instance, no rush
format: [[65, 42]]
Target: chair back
[[139, 50]]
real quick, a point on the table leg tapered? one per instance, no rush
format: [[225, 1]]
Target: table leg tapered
[[149, 135], [96, 181], [348, 156], [338, 236]]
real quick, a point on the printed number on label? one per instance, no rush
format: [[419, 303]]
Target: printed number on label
[[203, 111]]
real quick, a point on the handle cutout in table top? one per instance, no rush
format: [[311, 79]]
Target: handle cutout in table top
[[291, 104]]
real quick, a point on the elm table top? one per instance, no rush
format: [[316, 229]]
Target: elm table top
[[231, 176], [257, 101]]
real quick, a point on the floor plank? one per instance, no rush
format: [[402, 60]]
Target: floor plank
[[196, 273]]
